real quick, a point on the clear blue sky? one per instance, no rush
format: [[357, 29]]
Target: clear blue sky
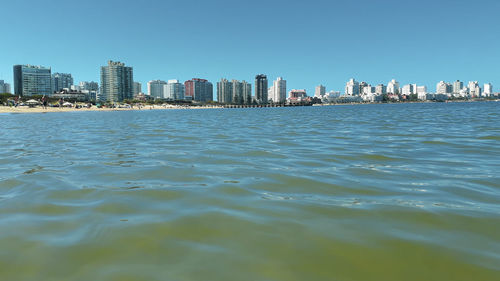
[[306, 42]]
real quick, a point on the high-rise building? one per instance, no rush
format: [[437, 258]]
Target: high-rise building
[[247, 92], [352, 88], [199, 90], [277, 92], [444, 88], [137, 88], [393, 87], [224, 91], [474, 89], [408, 90], [488, 89], [320, 91], [116, 82], [61, 81], [89, 86], [380, 89], [270, 94], [174, 90], [237, 95], [156, 89], [261, 88], [457, 86], [362, 86], [32, 80], [4, 87]]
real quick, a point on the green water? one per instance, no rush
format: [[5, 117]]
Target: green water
[[375, 192]]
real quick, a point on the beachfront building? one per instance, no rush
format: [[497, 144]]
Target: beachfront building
[[136, 88], [297, 95], [380, 89], [408, 90], [89, 86], [156, 89], [393, 87], [116, 82], [247, 92], [457, 87], [352, 88], [277, 92], [474, 89], [4, 87], [444, 88], [174, 90], [320, 91], [261, 86], [488, 89], [199, 90], [224, 91], [32, 80], [421, 92], [61, 81]]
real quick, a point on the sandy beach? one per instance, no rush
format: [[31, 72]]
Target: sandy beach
[[40, 109]]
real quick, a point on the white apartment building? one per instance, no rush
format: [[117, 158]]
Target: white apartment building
[[156, 88], [352, 88], [393, 87]]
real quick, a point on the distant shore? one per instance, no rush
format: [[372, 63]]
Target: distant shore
[[40, 109]]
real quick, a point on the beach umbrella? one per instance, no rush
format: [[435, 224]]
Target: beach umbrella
[[32, 102]]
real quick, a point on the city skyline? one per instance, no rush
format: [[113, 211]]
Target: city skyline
[[414, 44]]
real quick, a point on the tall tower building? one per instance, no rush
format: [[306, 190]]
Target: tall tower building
[[224, 91], [116, 82], [32, 80], [352, 88], [261, 88], [174, 90], [393, 87], [380, 89], [137, 88], [237, 95], [89, 86], [156, 89], [247, 92], [444, 88], [320, 91], [61, 81], [279, 90], [199, 90], [457, 86], [4, 87], [488, 89]]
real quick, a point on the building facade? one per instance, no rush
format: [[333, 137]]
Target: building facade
[[156, 89], [61, 81], [393, 87], [116, 82], [32, 80], [4, 87], [279, 91], [488, 89], [137, 88], [89, 86], [320, 91], [174, 90], [199, 90], [352, 88], [261, 85], [457, 86], [444, 88], [224, 91]]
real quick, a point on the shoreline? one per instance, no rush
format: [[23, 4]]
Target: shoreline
[[40, 109]]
